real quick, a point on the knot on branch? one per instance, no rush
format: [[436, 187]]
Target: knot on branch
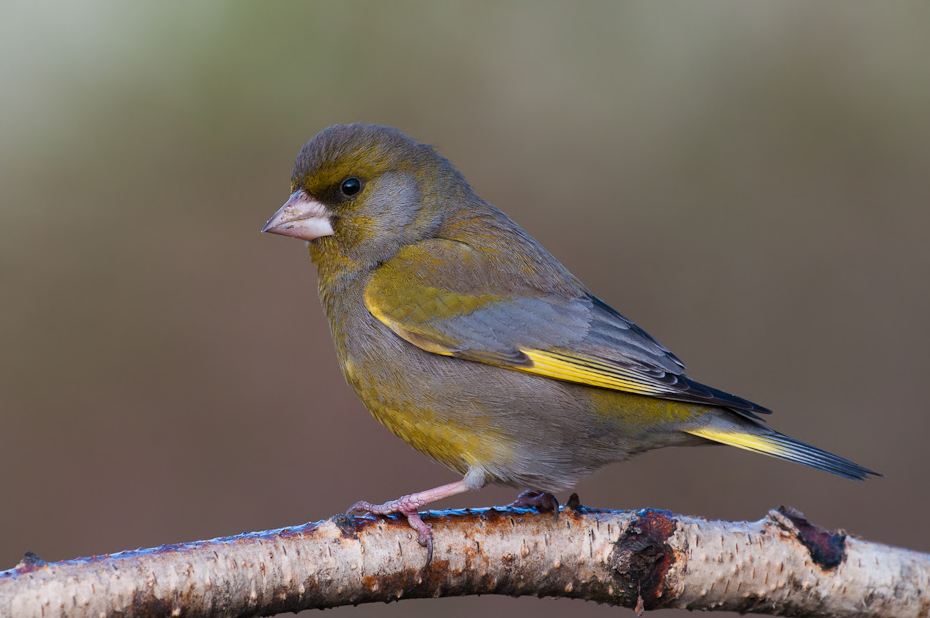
[[642, 557], [827, 550]]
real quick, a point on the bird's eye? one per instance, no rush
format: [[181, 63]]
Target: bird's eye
[[350, 186]]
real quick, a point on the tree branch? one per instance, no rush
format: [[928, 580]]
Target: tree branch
[[649, 559]]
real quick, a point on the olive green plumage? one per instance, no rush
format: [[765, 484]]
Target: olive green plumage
[[473, 344]]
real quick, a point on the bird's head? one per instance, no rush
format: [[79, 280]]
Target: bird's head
[[359, 192]]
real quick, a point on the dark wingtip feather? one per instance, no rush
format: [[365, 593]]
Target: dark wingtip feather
[[701, 393]]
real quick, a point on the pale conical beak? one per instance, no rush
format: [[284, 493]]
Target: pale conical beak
[[301, 217]]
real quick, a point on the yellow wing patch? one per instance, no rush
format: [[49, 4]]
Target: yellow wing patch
[[410, 315], [592, 371], [746, 441], [419, 339]]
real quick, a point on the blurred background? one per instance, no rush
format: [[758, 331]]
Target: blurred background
[[747, 182]]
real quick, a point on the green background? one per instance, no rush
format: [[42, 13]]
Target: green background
[[746, 181]]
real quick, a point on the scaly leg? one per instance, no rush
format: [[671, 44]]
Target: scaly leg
[[408, 506]]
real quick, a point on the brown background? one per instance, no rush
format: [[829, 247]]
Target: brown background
[[749, 183]]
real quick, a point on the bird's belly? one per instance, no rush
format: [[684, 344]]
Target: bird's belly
[[432, 413], [458, 445]]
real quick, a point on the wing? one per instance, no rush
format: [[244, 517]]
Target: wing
[[480, 306]]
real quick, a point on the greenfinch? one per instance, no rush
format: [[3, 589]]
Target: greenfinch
[[472, 343]]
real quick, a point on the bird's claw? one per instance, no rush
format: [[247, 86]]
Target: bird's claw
[[427, 542]]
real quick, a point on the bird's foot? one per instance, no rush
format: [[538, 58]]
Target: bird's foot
[[542, 501], [408, 507]]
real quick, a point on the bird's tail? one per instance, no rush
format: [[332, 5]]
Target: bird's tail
[[759, 439]]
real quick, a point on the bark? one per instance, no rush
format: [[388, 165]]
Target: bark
[[781, 565]]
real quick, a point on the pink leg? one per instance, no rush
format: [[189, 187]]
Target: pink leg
[[408, 506]]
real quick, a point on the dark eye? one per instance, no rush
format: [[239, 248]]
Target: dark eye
[[350, 186]]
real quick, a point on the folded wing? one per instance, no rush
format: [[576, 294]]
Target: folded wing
[[449, 298]]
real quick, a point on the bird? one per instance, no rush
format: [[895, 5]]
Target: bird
[[468, 340]]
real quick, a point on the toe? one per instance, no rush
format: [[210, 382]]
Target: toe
[[360, 507]]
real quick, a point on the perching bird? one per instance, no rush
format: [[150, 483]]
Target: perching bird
[[472, 343]]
